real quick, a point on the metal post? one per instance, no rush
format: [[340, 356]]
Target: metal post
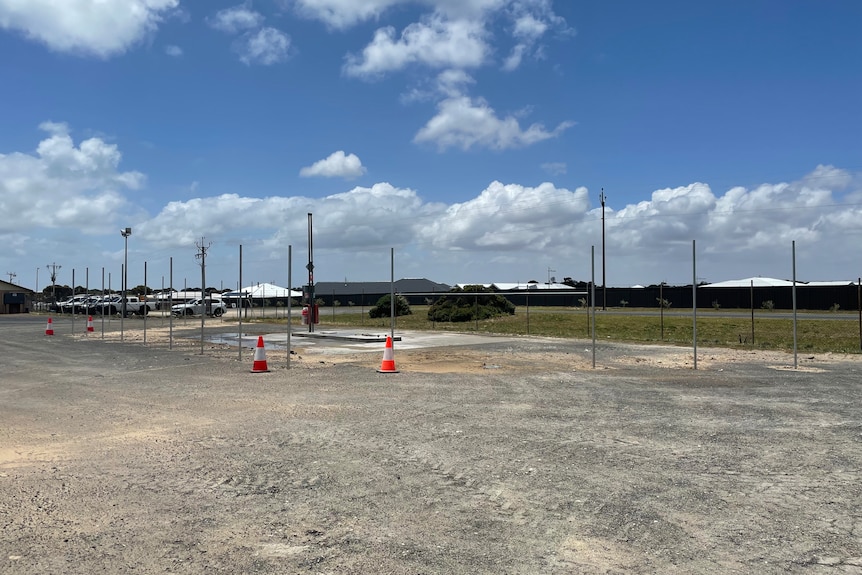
[[310, 268], [122, 301], [593, 297], [73, 301], [289, 284], [602, 197], [694, 300], [795, 363], [240, 308], [171, 305], [103, 302], [87, 291], [145, 304], [125, 233], [392, 295], [752, 313], [859, 305]]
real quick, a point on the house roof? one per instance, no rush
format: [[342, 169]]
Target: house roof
[[265, 290], [521, 286], [772, 282], [748, 282], [7, 286], [404, 285]]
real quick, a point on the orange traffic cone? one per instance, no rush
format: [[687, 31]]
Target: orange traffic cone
[[388, 363], [50, 329], [90, 323], [259, 365]]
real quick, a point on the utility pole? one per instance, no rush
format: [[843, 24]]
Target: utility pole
[[207, 305], [12, 276], [310, 267], [125, 232], [550, 271], [602, 198], [53, 267]]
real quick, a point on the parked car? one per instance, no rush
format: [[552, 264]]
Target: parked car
[[109, 305], [73, 304], [198, 307]]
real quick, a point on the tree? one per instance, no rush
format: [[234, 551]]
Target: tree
[[383, 307], [468, 304]]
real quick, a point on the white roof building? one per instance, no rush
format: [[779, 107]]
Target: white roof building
[[265, 291], [771, 282]]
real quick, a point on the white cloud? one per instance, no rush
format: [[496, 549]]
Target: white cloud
[[554, 168], [267, 46], [464, 123], [448, 84], [174, 51], [64, 185], [434, 42], [509, 217], [343, 14], [337, 165], [236, 19], [531, 20], [361, 218], [100, 28], [69, 197]]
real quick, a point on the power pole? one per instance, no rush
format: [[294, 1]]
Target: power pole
[[602, 198], [12, 275], [207, 305], [310, 267], [53, 267]]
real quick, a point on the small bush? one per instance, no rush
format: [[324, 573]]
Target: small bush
[[461, 305], [663, 303], [715, 305], [383, 307], [623, 303], [768, 305]]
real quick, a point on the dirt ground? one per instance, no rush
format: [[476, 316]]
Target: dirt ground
[[514, 456]]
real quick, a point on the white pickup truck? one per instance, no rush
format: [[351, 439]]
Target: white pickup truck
[[198, 307], [134, 305]]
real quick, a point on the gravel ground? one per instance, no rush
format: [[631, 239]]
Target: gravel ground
[[513, 456]]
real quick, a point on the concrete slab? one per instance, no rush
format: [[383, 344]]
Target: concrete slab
[[347, 341]]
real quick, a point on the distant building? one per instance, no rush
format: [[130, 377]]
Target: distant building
[[14, 298], [367, 293]]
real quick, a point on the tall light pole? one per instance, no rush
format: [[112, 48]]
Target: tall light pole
[[125, 233], [310, 267], [602, 198]]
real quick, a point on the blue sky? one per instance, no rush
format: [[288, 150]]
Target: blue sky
[[472, 136]]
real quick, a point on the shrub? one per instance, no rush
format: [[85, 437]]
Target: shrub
[[715, 305], [835, 307], [383, 307], [462, 305], [623, 303], [663, 303], [768, 305]]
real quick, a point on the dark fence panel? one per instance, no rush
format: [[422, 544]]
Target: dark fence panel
[[680, 297]]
